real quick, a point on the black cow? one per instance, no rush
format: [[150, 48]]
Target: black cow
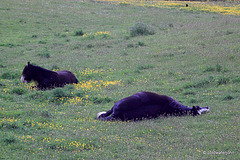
[[148, 105], [47, 79]]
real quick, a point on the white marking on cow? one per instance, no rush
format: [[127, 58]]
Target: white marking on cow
[[23, 79], [203, 110], [100, 113]]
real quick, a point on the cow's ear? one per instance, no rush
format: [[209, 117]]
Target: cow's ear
[[28, 63]]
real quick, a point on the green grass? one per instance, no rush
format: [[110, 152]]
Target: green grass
[[192, 57]]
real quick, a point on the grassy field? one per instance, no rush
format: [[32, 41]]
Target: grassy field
[[116, 50]]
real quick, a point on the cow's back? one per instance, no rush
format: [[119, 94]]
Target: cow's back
[[142, 101]]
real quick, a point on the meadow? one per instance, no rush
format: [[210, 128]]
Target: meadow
[[115, 49]]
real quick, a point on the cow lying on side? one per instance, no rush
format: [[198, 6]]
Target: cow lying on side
[[148, 105]]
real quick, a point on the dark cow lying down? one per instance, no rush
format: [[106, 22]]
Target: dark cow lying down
[[47, 79], [148, 105]]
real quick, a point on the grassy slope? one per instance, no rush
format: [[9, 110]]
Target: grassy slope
[[193, 57]]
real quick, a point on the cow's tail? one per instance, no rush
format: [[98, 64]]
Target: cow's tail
[[105, 115]]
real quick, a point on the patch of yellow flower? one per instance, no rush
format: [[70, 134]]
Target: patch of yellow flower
[[212, 7], [95, 84], [30, 85], [103, 34], [88, 86], [80, 146], [216, 7], [75, 100], [64, 145], [11, 120], [88, 71], [25, 138], [32, 123]]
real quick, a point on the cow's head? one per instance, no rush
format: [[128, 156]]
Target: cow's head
[[196, 110], [27, 73]]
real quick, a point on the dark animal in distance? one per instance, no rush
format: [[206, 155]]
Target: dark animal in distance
[[47, 79], [146, 105]]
